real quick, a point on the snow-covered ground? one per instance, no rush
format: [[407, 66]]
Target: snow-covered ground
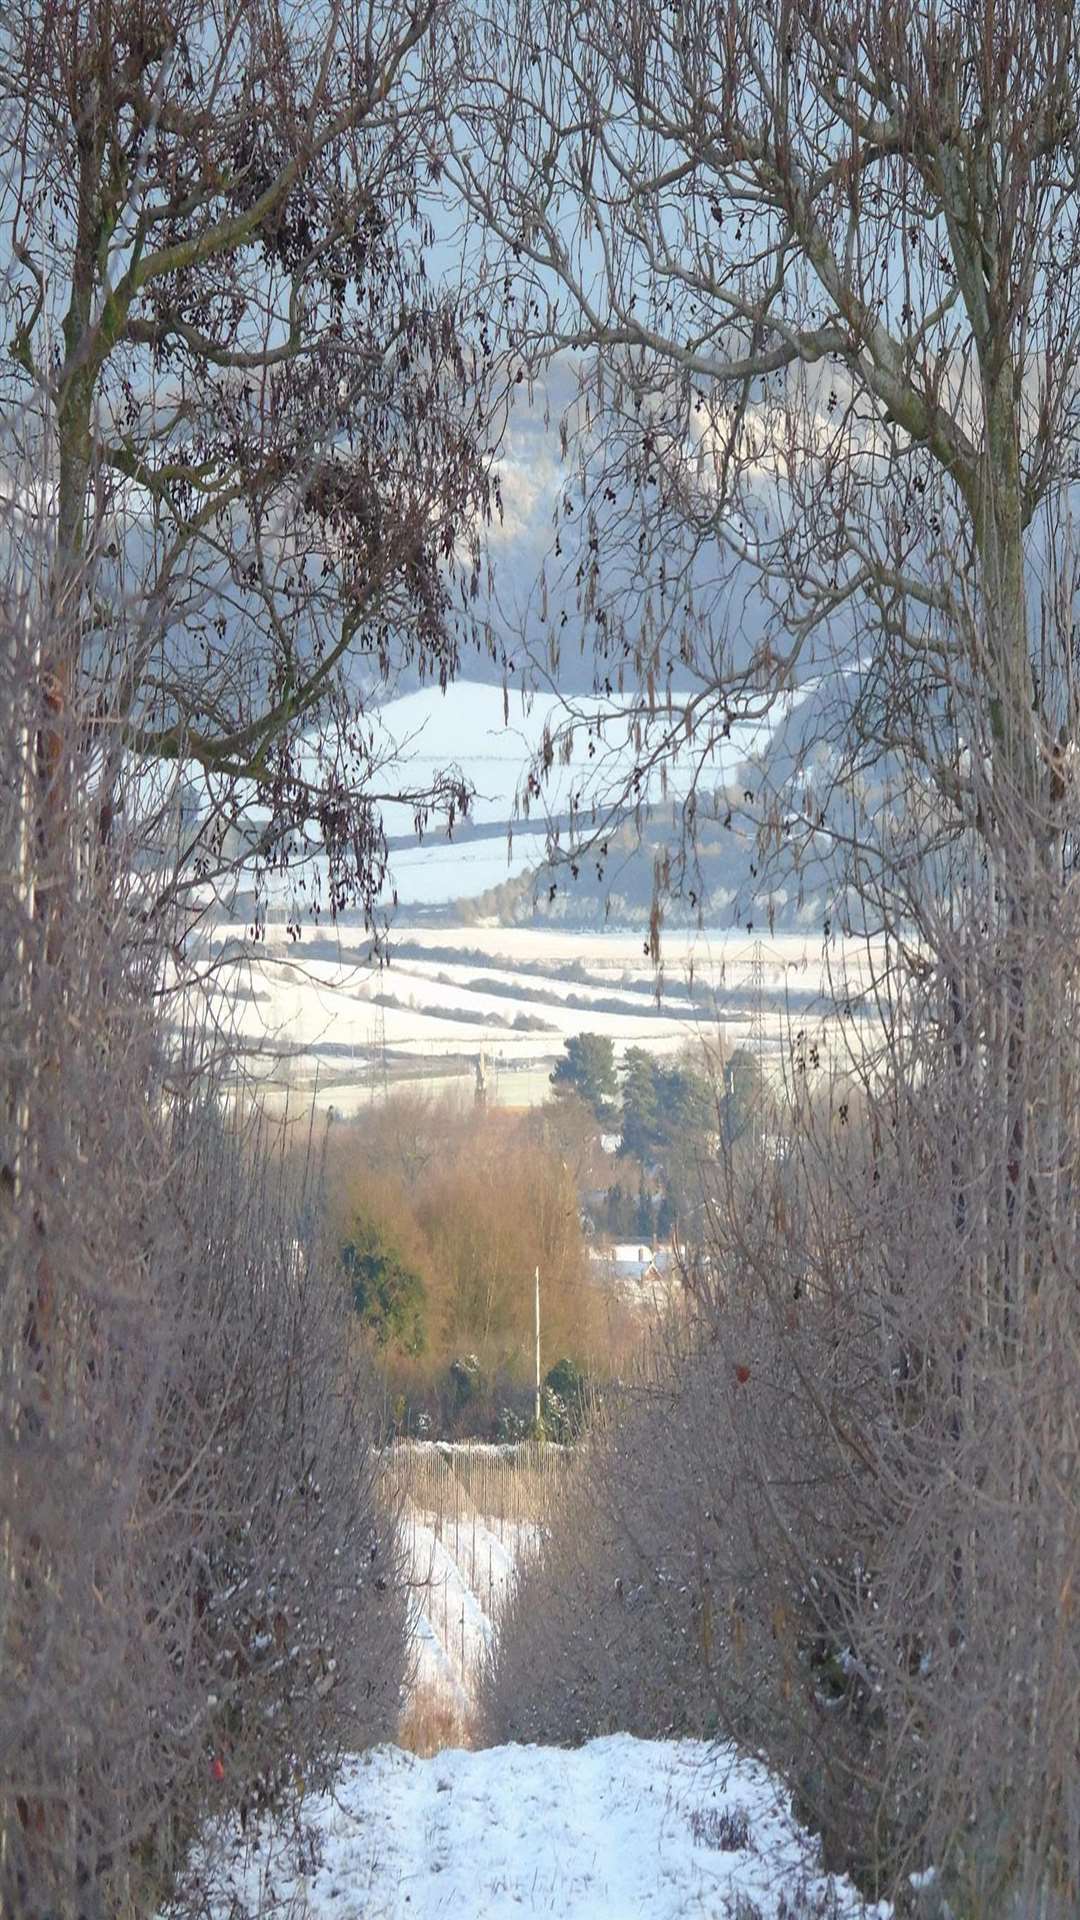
[[460, 1566], [461, 1581], [667, 1830], [616, 1829], [620, 1828], [316, 1012]]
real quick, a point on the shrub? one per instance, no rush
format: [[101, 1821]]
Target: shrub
[[387, 1294], [466, 1382], [725, 1828], [203, 1588], [839, 1523], [565, 1400]]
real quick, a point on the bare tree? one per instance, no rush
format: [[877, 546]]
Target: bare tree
[[841, 1526], [201, 1594], [821, 261], [246, 457], [261, 422]]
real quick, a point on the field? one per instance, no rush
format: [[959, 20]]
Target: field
[[319, 1020], [471, 1512]]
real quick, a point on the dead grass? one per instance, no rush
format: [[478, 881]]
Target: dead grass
[[506, 1487], [432, 1720]]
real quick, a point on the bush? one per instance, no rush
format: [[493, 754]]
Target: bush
[[387, 1294], [466, 1382], [619, 1639], [303, 1602], [565, 1400], [218, 1581], [204, 1595], [839, 1523]]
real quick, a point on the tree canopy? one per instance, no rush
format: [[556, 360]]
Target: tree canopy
[[667, 1107], [587, 1068], [264, 424], [818, 266]]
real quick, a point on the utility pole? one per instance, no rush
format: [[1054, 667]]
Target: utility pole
[[757, 1001], [537, 1326]]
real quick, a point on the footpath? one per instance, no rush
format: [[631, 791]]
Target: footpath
[[620, 1828]]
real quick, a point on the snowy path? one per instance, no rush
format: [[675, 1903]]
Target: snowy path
[[461, 1569], [617, 1829]]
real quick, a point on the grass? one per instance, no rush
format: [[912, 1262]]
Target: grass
[[726, 1828], [507, 1488], [432, 1720]]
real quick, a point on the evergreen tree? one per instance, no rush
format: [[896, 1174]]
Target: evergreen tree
[[687, 1110], [387, 1294], [588, 1069], [640, 1104], [666, 1109]]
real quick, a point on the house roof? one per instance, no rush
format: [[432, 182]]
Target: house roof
[[632, 1253]]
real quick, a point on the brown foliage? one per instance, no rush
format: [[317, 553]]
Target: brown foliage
[[433, 1720], [473, 1201]]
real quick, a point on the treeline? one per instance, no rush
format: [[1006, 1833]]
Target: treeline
[[672, 1115], [442, 1213], [654, 1101]]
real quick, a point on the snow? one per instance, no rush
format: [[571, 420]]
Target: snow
[[314, 1001], [618, 1828], [455, 1627], [306, 999], [460, 1566], [609, 1831], [467, 725], [490, 740]]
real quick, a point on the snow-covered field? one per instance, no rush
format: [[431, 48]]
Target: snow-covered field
[[620, 1828], [462, 1557], [488, 739], [493, 741], [317, 1011]]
